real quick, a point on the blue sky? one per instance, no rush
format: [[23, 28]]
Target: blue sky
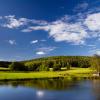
[[38, 28]]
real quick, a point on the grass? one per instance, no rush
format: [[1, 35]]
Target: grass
[[4, 69], [74, 72]]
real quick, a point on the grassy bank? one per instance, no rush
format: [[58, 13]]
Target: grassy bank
[[74, 72]]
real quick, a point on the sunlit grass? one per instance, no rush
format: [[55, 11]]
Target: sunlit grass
[[4, 69], [73, 72]]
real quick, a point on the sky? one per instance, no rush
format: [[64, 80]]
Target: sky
[[38, 28]]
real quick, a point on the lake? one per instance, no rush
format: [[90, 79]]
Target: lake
[[50, 89]]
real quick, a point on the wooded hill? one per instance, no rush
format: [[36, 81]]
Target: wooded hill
[[44, 64]]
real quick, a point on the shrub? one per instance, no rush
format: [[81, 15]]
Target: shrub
[[50, 64], [43, 68], [17, 66], [33, 66], [68, 66], [56, 67]]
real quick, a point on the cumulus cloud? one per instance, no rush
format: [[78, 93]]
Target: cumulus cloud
[[12, 42], [74, 32], [62, 31], [71, 29], [44, 50], [93, 22], [34, 41], [12, 22], [69, 32]]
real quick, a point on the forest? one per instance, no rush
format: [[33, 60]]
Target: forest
[[44, 64]]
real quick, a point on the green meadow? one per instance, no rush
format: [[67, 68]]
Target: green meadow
[[73, 72], [50, 67]]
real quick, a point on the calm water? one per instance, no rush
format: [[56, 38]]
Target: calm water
[[50, 89]]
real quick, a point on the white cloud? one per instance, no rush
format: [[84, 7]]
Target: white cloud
[[40, 53], [31, 28], [64, 29], [34, 41], [12, 22], [76, 33], [73, 32], [93, 22], [12, 42], [44, 50]]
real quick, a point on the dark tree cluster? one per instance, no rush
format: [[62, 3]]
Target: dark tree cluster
[[4, 64], [56, 63]]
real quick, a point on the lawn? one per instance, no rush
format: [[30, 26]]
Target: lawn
[[74, 72]]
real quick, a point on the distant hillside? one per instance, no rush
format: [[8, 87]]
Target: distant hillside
[[61, 61], [50, 62], [57, 58], [56, 63]]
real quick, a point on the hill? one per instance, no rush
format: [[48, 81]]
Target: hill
[[45, 63]]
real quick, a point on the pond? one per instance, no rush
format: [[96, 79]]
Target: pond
[[50, 89]]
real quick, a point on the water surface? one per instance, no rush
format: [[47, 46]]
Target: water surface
[[50, 89]]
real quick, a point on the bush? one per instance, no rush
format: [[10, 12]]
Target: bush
[[43, 68], [68, 66], [56, 67], [33, 66], [17, 66], [49, 64]]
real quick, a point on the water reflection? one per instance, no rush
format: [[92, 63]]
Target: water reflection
[[50, 89], [48, 84], [40, 93], [96, 89]]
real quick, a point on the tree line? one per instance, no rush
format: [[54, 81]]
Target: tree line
[[56, 63]]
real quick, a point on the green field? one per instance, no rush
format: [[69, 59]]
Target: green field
[[4, 69], [73, 72]]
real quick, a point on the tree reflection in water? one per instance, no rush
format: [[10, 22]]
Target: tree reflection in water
[[96, 89], [48, 84]]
